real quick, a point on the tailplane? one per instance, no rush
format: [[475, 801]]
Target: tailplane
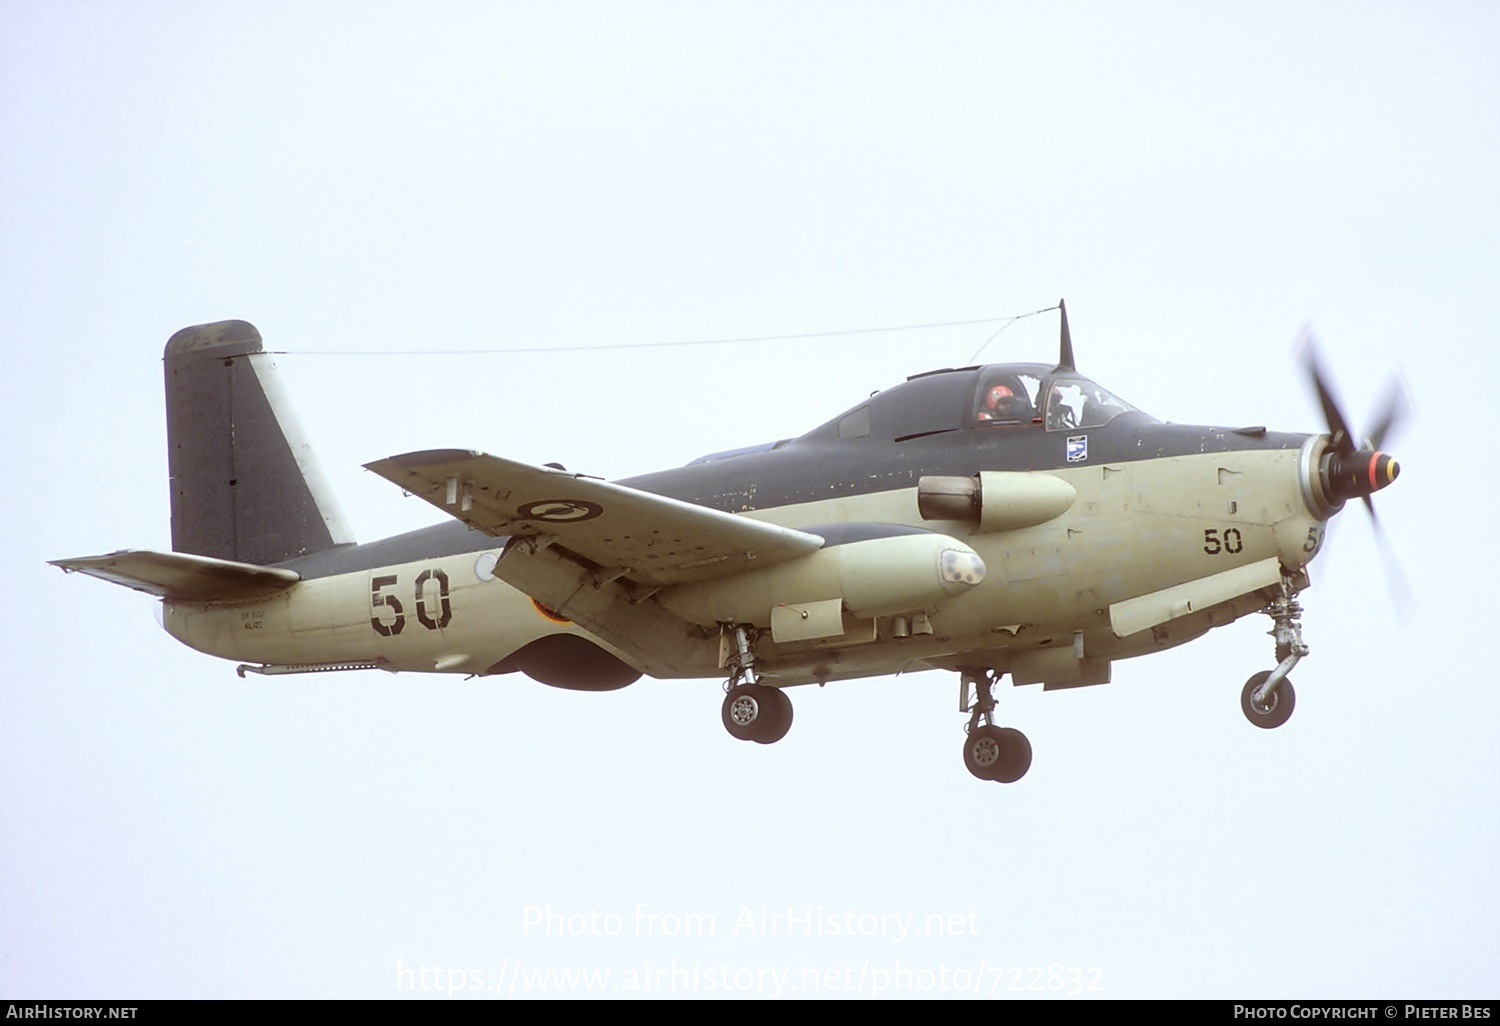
[[182, 578], [245, 487]]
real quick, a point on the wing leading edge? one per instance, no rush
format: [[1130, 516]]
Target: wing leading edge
[[649, 539]]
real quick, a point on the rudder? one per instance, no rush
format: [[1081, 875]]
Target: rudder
[[244, 483]]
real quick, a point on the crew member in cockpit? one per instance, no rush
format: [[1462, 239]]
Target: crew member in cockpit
[[1005, 405]]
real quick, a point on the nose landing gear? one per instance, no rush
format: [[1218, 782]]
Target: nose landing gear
[[1267, 698]]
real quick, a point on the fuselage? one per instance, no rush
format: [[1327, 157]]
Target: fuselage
[[1154, 506]]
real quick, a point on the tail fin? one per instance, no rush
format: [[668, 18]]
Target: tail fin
[[244, 483]]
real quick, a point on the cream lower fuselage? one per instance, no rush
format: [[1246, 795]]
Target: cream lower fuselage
[[429, 601]]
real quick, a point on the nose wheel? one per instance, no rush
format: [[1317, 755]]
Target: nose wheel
[[1274, 707], [1267, 698], [1001, 754]]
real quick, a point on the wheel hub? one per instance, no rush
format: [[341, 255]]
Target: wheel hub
[[744, 711], [986, 751]]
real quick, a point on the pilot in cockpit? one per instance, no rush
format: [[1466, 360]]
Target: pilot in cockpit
[[1004, 404]]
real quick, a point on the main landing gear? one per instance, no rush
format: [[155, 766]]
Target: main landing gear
[[1001, 754], [752, 711], [1267, 698]]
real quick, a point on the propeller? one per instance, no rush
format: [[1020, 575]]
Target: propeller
[[1351, 470], [1396, 408]]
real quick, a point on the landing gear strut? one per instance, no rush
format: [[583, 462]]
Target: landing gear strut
[[752, 711], [1002, 754], [1267, 698]]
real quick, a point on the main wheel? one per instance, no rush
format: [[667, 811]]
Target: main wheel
[[983, 751], [754, 712], [778, 719], [1015, 756], [995, 753], [1277, 707]]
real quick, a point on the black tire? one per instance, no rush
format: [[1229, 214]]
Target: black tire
[[778, 717], [1278, 706], [1015, 756]]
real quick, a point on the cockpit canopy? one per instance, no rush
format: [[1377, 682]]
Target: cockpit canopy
[[1014, 394], [1017, 396], [999, 395]]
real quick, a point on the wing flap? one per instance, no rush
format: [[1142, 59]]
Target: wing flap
[[180, 576], [656, 641], [650, 539]]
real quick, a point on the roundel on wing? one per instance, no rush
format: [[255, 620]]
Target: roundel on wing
[[560, 511]]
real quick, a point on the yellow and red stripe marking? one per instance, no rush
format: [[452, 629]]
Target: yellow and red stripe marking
[[1383, 470], [550, 614]]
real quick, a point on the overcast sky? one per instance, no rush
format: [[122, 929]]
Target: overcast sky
[[1199, 181]]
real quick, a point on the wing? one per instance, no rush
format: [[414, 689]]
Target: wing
[[624, 532], [1137, 614], [181, 576]]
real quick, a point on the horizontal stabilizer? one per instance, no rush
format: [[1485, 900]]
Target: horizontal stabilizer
[[650, 539], [182, 577]]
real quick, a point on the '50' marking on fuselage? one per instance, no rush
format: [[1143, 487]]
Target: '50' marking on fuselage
[[393, 604]]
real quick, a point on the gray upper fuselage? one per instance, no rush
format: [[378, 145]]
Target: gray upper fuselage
[[931, 424]]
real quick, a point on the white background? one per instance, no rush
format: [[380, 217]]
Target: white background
[[1197, 181]]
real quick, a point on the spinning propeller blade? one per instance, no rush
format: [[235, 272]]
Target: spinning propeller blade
[[1351, 471], [1333, 416], [1396, 409]]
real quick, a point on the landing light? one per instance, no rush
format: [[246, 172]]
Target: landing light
[[962, 567]]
